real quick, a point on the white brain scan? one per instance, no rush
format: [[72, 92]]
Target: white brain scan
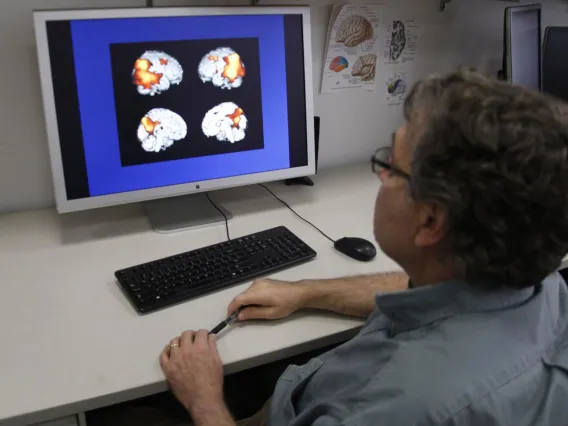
[[227, 122], [223, 67], [155, 72], [159, 129]]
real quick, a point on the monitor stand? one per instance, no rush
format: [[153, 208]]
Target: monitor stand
[[184, 213]]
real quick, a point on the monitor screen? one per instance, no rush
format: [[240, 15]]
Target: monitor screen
[[525, 46], [151, 102], [554, 65]]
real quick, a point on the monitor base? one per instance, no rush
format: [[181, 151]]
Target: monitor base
[[184, 213], [299, 181]]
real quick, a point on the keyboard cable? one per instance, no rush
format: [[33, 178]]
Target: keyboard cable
[[223, 213], [293, 211]]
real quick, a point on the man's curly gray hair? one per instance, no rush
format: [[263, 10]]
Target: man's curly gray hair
[[495, 157]]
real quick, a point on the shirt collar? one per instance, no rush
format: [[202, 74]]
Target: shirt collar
[[420, 306]]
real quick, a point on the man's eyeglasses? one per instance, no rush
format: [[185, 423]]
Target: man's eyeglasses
[[381, 162]]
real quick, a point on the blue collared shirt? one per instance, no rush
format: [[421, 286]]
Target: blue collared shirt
[[446, 354]]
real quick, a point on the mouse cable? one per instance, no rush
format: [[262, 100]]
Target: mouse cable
[[223, 213], [294, 211]]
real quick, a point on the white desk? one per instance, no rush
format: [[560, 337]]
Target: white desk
[[70, 340]]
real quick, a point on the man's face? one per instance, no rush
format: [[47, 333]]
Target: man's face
[[396, 216]]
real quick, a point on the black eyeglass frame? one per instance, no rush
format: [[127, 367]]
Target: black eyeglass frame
[[377, 164]]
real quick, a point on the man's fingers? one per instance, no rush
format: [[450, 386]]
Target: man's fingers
[[187, 338], [201, 339], [165, 357], [233, 306], [243, 299], [257, 294], [213, 346], [257, 313]]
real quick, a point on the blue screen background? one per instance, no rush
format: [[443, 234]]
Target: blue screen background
[[91, 48]]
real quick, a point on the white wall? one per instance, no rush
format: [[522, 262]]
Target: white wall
[[353, 124]]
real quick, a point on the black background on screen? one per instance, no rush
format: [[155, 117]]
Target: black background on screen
[[191, 99]]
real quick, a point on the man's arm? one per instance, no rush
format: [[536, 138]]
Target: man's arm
[[212, 415], [352, 296]]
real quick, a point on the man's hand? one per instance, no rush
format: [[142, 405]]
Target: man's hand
[[194, 370], [272, 300]]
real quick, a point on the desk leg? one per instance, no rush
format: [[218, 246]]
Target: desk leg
[[82, 419]]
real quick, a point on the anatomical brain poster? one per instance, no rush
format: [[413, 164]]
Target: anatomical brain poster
[[354, 42], [401, 41]]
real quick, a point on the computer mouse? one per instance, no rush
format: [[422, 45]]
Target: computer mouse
[[356, 248]]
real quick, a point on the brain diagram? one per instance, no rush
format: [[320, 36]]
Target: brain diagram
[[154, 72], [354, 30], [397, 87], [159, 129], [223, 67], [226, 121], [365, 67], [398, 40], [338, 64]]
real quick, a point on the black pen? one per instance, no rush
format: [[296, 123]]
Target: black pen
[[229, 320]]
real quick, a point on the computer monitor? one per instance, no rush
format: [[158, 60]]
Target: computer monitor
[[523, 46], [148, 103], [554, 65]]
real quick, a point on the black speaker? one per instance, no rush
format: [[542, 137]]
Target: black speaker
[[554, 63], [317, 138], [306, 180]]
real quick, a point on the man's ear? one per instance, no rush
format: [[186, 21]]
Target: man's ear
[[432, 227]]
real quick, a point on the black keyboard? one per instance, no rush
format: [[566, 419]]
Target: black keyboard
[[161, 283]]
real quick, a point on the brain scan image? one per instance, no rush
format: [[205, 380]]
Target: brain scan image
[[365, 67], [223, 67], [398, 40], [159, 129], [353, 31], [155, 72], [227, 122]]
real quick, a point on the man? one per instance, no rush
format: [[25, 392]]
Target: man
[[474, 207]]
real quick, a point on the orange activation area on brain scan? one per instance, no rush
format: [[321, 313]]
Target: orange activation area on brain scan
[[235, 117], [233, 68], [149, 125], [143, 77]]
